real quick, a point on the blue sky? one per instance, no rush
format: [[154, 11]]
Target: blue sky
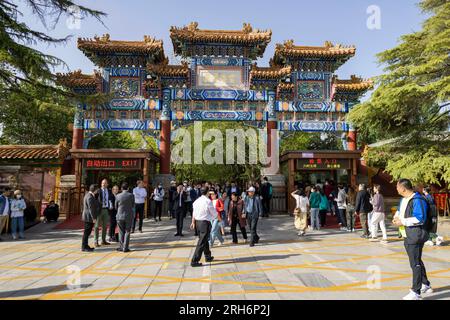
[[306, 22]]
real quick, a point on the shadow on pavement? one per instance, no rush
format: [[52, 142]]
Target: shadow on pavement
[[36, 291]]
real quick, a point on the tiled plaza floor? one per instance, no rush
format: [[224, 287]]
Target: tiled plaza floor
[[323, 265]]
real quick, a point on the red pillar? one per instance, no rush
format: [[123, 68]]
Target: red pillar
[[351, 139], [270, 125], [77, 138], [164, 157]]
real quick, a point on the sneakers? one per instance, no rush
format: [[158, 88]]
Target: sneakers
[[373, 240], [429, 243], [220, 244], [426, 289], [301, 233], [439, 240], [343, 229], [384, 241], [412, 296]]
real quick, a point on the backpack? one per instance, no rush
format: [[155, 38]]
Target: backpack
[[430, 214]]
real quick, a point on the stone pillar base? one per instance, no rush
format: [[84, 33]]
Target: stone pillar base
[[279, 191]]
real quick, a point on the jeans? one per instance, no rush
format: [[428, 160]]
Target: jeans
[[253, 223], [378, 218], [342, 218], [17, 223], [139, 212], [315, 224], [102, 221], [414, 252], [215, 232]]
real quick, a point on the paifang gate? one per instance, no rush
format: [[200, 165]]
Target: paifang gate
[[218, 79]]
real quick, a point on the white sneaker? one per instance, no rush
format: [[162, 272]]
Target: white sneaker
[[384, 241], [412, 296], [439, 240], [426, 289], [429, 243], [353, 230], [220, 244]]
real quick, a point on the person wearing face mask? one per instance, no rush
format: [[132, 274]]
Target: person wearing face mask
[[17, 217], [158, 196]]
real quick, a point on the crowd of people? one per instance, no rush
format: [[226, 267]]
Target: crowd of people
[[103, 206], [214, 208], [317, 201]]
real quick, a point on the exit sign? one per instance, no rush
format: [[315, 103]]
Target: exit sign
[[112, 164]]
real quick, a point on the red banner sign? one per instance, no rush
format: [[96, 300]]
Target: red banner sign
[[111, 164]]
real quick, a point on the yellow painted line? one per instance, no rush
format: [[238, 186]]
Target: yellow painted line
[[165, 265]]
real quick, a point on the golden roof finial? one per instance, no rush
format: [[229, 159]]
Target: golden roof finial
[[193, 26], [328, 44], [289, 43], [247, 28]]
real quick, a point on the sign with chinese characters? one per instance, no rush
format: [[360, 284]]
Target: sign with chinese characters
[[223, 77], [112, 164], [323, 163]]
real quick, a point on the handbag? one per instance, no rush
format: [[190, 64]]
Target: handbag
[[296, 212]]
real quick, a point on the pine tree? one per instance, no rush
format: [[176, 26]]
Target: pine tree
[[409, 105]]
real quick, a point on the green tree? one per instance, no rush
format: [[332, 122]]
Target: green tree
[[32, 109], [19, 62], [407, 108], [41, 116]]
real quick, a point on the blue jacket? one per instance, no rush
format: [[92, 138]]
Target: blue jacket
[[415, 217], [416, 210], [3, 200]]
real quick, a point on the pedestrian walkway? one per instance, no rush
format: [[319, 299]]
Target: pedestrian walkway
[[328, 264]]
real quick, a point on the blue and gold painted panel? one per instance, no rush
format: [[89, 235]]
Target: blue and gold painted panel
[[299, 106], [313, 126], [121, 124], [217, 94], [219, 115]]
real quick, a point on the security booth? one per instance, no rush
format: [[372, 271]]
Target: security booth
[[318, 166]]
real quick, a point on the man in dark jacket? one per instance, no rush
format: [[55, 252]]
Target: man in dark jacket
[[362, 208], [179, 207], [172, 191], [125, 216], [51, 212], [91, 210], [266, 194]]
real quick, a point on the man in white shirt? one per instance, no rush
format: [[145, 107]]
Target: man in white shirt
[[203, 213], [140, 194]]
